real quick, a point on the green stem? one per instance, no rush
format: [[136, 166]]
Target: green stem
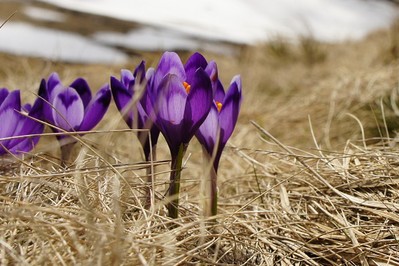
[[174, 187]]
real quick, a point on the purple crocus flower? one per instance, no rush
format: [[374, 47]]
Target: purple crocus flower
[[180, 97], [15, 123], [72, 108], [221, 120], [217, 128], [130, 95]]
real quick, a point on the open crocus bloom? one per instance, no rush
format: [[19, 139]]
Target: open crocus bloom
[[130, 94], [14, 123], [219, 124], [181, 97], [72, 108]]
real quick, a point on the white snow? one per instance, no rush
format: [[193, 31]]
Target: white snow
[[25, 39], [152, 39], [248, 21], [43, 14]]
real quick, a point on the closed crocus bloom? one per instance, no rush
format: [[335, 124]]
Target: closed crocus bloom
[[72, 108], [181, 97], [215, 131], [130, 96], [15, 123], [217, 128]]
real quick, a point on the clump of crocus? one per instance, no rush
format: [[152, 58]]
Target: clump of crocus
[[18, 121], [72, 109], [130, 97], [181, 97], [215, 131]]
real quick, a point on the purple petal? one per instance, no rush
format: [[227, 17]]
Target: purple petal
[[25, 145], [68, 110], [171, 106], [217, 86], [172, 100], [126, 78], [36, 110], [212, 70], [11, 101], [169, 63], [26, 126], [120, 93], [10, 117], [150, 73], [208, 132], [3, 94], [219, 92], [194, 62], [139, 72], [122, 100], [199, 102], [45, 102], [231, 107], [52, 82], [83, 89], [96, 108]]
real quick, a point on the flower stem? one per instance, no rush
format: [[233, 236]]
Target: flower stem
[[211, 189], [214, 192], [174, 187], [150, 185], [66, 149]]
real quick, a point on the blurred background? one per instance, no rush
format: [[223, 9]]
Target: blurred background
[[111, 31]]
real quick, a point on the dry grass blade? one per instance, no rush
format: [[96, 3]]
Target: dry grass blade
[[356, 200]]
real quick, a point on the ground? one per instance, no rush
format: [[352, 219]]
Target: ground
[[310, 176]]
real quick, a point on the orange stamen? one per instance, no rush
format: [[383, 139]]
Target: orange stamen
[[219, 105], [187, 87]]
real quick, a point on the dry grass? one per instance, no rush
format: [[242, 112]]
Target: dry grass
[[314, 181]]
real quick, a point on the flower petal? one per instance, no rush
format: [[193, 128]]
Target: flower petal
[[194, 62], [120, 93], [217, 87], [171, 106], [208, 132], [126, 78], [231, 107], [3, 94], [219, 92], [199, 102], [172, 100], [68, 110], [47, 110], [26, 125], [83, 89], [169, 63], [10, 117], [96, 109], [139, 72], [52, 82]]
